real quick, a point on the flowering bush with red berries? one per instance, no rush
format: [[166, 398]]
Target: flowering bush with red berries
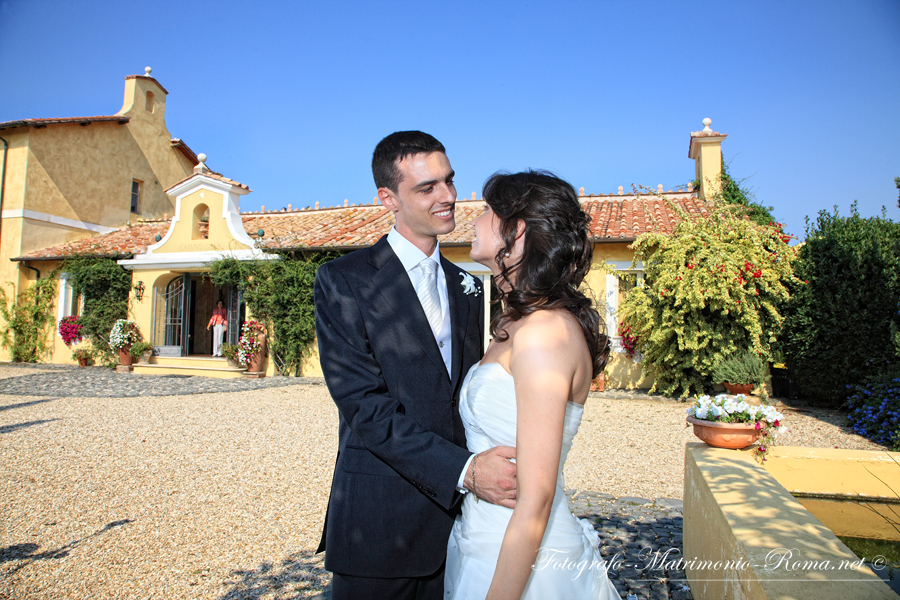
[[70, 330], [713, 288]]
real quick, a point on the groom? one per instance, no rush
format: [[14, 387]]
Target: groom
[[398, 330]]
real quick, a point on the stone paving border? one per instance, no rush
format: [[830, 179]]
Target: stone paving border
[[101, 382], [640, 540]]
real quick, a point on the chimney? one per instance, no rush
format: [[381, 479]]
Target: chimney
[[706, 150]]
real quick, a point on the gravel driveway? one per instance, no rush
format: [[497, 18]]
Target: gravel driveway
[[222, 495]]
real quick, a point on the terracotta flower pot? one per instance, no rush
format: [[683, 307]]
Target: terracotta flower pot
[[125, 358], [735, 388], [598, 384], [83, 362], [725, 435]]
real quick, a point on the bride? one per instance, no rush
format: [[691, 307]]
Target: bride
[[529, 392]]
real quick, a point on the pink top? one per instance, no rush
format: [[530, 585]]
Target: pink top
[[219, 317]]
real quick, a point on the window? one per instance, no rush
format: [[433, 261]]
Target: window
[[135, 196], [70, 304], [617, 287], [149, 105]]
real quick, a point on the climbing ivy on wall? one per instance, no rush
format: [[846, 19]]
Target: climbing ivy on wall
[[28, 320], [280, 294], [104, 285]]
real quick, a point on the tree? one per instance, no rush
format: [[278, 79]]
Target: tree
[[897, 183], [733, 192], [841, 326], [713, 288]]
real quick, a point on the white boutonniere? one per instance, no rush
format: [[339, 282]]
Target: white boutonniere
[[468, 283]]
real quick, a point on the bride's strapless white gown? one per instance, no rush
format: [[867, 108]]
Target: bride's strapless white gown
[[569, 566]]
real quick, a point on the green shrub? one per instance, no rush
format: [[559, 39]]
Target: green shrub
[[732, 192], [841, 323], [138, 349], [280, 294], [105, 286], [230, 351], [713, 288], [741, 369], [29, 319]]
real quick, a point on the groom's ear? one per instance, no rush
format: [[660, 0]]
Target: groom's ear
[[388, 199]]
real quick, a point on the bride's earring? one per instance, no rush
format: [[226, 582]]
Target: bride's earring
[[506, 254]]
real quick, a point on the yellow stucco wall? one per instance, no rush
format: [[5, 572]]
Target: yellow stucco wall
[[16, 162], [185, 235], [707, 167], [740, 523], [85, 173]]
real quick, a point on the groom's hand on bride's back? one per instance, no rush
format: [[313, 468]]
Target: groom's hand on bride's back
[[492, 476]]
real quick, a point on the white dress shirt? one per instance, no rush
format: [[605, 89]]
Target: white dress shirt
[[410, 257]]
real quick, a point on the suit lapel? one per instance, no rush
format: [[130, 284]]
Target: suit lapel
[[459, 315], [394, 285]]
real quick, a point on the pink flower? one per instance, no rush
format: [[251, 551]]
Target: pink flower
[[777, 423], [759, 425]]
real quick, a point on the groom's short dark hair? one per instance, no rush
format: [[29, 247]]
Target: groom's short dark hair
[[394, 148]]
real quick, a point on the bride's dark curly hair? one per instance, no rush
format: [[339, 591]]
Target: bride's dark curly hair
[[556, 254]]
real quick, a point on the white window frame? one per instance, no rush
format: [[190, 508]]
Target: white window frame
[[64, 304], [481, 272], [136, 206], [612, 299]]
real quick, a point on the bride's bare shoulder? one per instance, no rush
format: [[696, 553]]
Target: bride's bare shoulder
[[547, 328]]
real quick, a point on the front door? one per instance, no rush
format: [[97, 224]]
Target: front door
[[171, 316], [187, 311]]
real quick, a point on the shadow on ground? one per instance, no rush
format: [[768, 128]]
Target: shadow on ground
[[301, 575], [15, 426], [28, 553]]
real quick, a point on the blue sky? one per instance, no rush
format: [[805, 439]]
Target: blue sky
[[291, 97]]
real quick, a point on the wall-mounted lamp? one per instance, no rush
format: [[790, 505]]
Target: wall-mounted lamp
[[139, 291]]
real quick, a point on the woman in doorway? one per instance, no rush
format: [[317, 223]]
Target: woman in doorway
[[219, 323]]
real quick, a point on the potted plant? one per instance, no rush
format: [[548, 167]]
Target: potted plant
[[230, 352], [251, 346], [740, 372], [141, 351], [70, 330], [122, 336], [83, 356], [727, 421]]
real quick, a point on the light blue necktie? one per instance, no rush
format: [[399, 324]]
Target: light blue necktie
[[428, 294]]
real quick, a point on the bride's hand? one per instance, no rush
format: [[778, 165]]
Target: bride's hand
[[495, 478]]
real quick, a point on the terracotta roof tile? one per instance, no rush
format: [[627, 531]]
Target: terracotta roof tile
[[124, 241], [212, 174], [613, 219], [44, 122]]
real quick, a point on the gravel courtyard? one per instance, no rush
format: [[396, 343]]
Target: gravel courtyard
[[222, 495]]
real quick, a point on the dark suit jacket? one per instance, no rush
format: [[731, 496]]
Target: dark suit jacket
[[401, 441]]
